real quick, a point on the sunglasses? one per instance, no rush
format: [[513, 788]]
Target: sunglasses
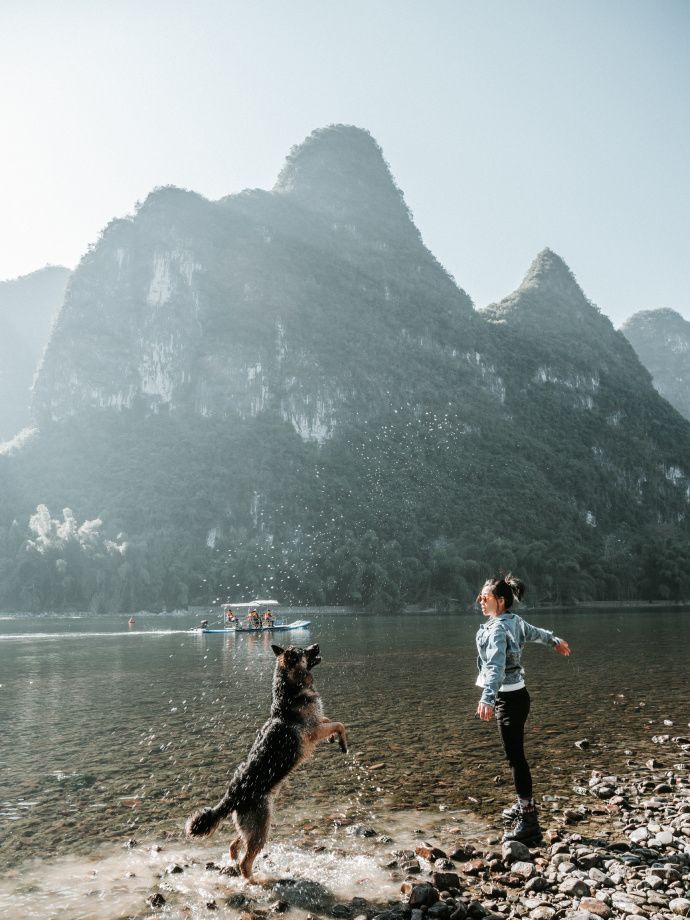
[[483, 597]]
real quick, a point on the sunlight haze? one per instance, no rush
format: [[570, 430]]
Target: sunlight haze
[[509, 127]]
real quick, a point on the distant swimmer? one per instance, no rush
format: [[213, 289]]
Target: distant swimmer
[[131, 621]]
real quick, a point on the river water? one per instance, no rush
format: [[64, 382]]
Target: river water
[[112, 734]]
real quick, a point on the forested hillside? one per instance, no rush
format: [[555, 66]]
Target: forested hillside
[[661, 339]]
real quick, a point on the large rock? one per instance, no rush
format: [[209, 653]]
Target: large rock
[[445, 880], [575, 887], [513, 850], [304, 894], [423, 895]]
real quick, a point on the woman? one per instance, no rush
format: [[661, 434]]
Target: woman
[[500, 641]]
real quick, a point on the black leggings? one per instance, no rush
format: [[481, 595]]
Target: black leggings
[[512, 709]]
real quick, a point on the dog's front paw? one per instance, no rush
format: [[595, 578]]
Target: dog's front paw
[[343, 743]]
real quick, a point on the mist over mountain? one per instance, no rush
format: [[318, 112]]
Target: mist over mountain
[[28, 306], [661, 339], [284, 391]]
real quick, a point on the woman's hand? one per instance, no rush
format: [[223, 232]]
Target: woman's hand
[[485, 711], [562, 647]]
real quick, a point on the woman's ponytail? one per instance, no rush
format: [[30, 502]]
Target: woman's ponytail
[[509, 587], [516, 585]]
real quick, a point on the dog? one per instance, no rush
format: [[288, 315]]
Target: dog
[[288, 738]]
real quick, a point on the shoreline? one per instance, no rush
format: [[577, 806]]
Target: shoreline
[[344, 610], [615, 846]]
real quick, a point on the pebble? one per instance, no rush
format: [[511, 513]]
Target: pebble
[[597, 907], [575, 887], [544, 912], [523, 868]]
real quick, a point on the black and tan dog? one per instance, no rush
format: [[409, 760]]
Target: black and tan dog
[[295, 726]]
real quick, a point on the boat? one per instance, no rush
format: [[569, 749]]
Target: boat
[[277, 627], [259, 606]]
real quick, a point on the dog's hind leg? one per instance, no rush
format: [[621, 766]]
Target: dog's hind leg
[[237, 841], [254, 826], [235, 848]]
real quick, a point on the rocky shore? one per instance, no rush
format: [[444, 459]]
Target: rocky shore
[[617, 848], [639, 869]]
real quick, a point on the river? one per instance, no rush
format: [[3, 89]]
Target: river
[[113, 734]]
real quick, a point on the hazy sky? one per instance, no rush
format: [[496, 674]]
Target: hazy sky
[[510, 125]]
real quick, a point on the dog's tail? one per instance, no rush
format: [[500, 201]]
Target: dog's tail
[[204, 822]]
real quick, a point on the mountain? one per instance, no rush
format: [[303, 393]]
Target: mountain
[[221, 307], [661, 339], [27, 308], [284, 391]]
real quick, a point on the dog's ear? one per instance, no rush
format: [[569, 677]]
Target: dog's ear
[[277, 650]]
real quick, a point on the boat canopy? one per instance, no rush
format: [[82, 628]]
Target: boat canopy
[[251, 604]]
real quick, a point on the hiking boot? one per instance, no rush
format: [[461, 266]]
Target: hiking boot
[[526, 829], [511, 815]]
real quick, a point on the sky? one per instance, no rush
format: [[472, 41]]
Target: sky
[[510, 125]]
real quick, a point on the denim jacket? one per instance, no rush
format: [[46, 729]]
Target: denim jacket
[[500, 641]]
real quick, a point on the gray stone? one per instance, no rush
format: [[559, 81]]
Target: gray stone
[[361, 830], [624, 904], [600, 877], [680, 906], [304, 894], [563, 857], [513, 850], [523, 868], [575, 887], [596, 907], [543, 912], [537, 883]]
